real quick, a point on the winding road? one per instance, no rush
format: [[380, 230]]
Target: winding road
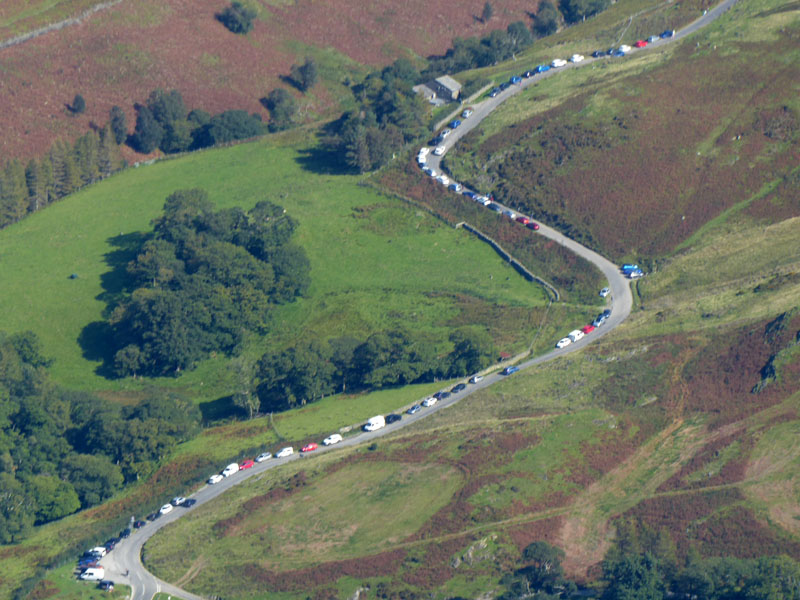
[[123, 565]]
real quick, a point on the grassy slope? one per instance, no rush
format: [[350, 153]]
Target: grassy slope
[[376, 262], [558, 452], [18, 16]]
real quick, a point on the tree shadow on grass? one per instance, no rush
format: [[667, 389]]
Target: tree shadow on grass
[[221, 409], [323, 161], [95, 338]]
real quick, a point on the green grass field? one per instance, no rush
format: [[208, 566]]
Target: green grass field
[[376, 262], [21, 17]]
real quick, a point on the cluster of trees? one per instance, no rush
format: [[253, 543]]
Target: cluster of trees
[[202, 281], [310, 371], [61, 451], [579, 10], [165, 123], [63, 170], [643, 565], [238, 18], [390, 114]]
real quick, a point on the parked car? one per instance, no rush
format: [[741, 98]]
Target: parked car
[[510, 370], [652, 38], [139, 524], [454, 187], [154, 515], [422, 159], [443, 179], [516, 79], [444, 395], [618, 53], [284, 452], [599, 320], [466, 113], [625, 48], [667, 34], [190, 502], [454, 124], [309, 447], [375, 423], [528, 74], [93, 574], [167, 508], [575, 335], [576, 58], [414, 409], [598, 53], [604, 292], [494, 92], [510, 214], [640, 44], [504, 86], [106, 585], [429, 171], [532, 225], [332, 439], [424, 151], [495, 207], [458, 388], [607, 313], [99, 550], [563, 342], [428, 402], [263, 456], [483, 200], [177, 501], [522, 219], [439, 150], [469, 194], [392, 418], [444, 133], [248, 464], [215, 478], [558, 62], [542, 68], [587, 329], [476, 379], [230, 469]]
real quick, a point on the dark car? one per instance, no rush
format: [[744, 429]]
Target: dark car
[[393, 418], [494, 92], [527, 74], [667, 34], [189, 503], [532, 225], [458, 387], [87, 562], [515, 79], [607, 313], [112, 542], [495, 207], [469, 194], [618, 54], [109, 547], [610, 51], [444, 395], [505, 85], [125, 533], [139, 524], [106, 585], [153, 516], [414, 409], [510, 370], [598, 53], [455, 124]]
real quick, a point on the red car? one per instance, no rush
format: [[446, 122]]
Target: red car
[[523, 220], [640, 44], [309, 447], [587, 329], [532, 225], [248, 464]]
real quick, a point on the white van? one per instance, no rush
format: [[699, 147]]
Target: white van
[[101, 550], [334, 438], [93, 574], [575, 335], [230, 470], [375, 423]]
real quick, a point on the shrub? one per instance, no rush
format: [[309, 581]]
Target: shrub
[[238, 18]]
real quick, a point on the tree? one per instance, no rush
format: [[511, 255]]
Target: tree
[[547, 18], [544, 569], [226, 127], [85, 152], [487, 13], [93, 477], [282, 108], [775, 578], [166, 107], [305, 75], [244, 394], [177, 136], [519, 36], [17, 510], [37, 188], [13, 193], [119, 124], [78, 105], [238, 18], [577, 10], [148, 132], [54, 498], [633, 577], [473, 350]]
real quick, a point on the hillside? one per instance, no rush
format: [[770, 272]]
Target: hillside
[[118, 55]]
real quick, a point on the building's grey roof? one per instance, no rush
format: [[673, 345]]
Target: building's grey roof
[[449, 83]]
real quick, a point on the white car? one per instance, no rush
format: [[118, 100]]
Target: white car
[[483, 200], [215, 478], [101, 550], [422, 159], [167, 508], [424, 151], [467, 112], [93, 574], [604, 292], [288, 451], [443, 180], [476, 379], [563, 342], [332, 439], [230, 469], [575, 335], [439, 150], [559, 62], [576, 58], [429, 171], [428, 402], [625, 48], [177, 501], [445, 133]]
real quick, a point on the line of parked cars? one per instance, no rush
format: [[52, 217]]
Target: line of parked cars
[[89, 568], [578, 334]]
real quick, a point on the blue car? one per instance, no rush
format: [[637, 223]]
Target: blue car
[[516, 79], [667, 34], [494, 92], [542, 68], [455, 124], [618, 54], [414, 409], [598, 53], [469, 194], [510, 370]]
